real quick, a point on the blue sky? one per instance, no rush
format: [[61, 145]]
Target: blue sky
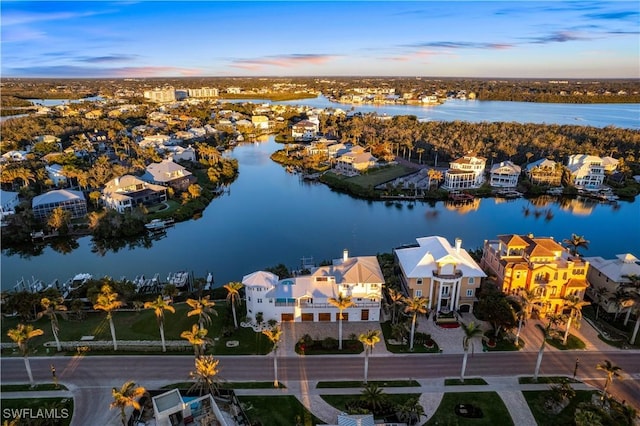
[[206, 38]]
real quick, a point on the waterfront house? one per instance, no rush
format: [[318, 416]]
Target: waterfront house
[[178, 153], [260, 122], [538, 264], [587, 171], [168, 173], [613, 275], [127, 192], [544, 172], [504, 175], [466, 172], [72, 201], [304, 129], [446, 275], [610, 164], [306, 297], [355, 161]]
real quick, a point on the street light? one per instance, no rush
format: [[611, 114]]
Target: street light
[[575, 369]]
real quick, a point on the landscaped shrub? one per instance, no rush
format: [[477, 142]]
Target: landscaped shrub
[[329, 343]]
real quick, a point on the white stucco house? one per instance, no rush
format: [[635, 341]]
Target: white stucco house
[[464, 173], [306, 297], [504, 175]]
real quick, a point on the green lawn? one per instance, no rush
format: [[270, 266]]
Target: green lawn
[[58, 410], [546, 379], [404, 349], [229, 385], [494, 410], [277, 410], [28, 387], [573, 342], [340, 401], [359, 384], [565, 417], [377, 176], [471, 381], [143, 326]]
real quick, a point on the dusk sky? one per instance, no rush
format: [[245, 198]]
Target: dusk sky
[[218, 39]]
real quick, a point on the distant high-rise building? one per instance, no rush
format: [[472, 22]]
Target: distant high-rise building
[[166, 94]]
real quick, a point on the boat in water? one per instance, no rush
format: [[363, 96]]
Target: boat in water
[[159, 224]]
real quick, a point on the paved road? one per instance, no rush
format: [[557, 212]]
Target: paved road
[[91, 378]]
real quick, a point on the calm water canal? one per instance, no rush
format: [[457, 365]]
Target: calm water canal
[[273, 217]]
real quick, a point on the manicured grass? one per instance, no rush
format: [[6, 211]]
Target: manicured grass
[[494, 410], [377, 176], [28, 387], [471, 381], [289, 409], [358, 384], [573, 342], [535, 399], [404, 349], [501, 344], [229, 385], [349, 347], [546, 379], [340, 401], [131, 325], [59, 410]]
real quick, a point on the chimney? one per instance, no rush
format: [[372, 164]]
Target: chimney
[[345, 255], [458, 244]]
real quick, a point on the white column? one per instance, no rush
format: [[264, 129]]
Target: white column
[[430, 293], [459, 288], [439, 295]]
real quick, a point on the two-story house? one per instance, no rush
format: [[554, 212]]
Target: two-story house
[[306, 297], [446, 275], [72, 201], [127, 192], [464, 173], [355, 161], [538, 264], [587, 171], [304, 129], [504, 175], [614, 275], [168, 173], [544, 172]]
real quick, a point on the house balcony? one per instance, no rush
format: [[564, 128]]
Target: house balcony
[[456, 275], [305, 305]]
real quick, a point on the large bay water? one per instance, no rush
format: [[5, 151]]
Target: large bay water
[[271, 217]]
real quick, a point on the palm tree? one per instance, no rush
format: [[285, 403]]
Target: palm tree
[[420, 151], [373, 396], [622, 300], [396, 300], [416, 305], [575, 305], [470, 332], [612, 371], [369, 340], [126, 396], [546, 334], [601, 294], [205, 375], [21, 335], [197, 337], [108, 301], [202, 307], [411, 411], [159, 306], [434, 175], [526, 300], [274, 334], [52, 307], [576, 241], [341, 302], [233, 297]]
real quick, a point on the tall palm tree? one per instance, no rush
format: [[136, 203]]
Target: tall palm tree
[[52, 307], [369, 340], [159, 306], [612, 372], [126, 396], [21, 335], [576, 241], [622, 300], [415, 305], [634, 300], [341, 302], [274, 334], [547, 332], [601, 295], [205, 375], [108, 301], [197, 337], [233, 297], [434, 175], [526, 300], [411, 411], [202, 307], [471, 331], [396, 301], [575, 305]]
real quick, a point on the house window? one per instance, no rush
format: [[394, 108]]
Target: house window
[[418, 293], [419, 281], [471, 280], [553, 291], [470, 293], [564, 276], [249, 298], [259, 300], [445, 290]]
